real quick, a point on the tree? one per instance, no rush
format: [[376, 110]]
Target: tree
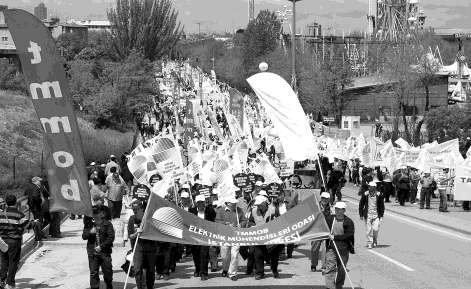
[[148, 26], [70, 44], [260, 37], [410, 68], [446, 123], [334, 78], [125, 88]]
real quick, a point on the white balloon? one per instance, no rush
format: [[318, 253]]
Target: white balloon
[[263, 66]]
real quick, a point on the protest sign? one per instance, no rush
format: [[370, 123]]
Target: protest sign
[[165, 222], [241, 180], [47, 85], [286, 168], [274, 189], [158, 155], [262, 166]]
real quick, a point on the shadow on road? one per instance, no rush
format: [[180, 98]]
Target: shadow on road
[[262, 287], [25, 283]]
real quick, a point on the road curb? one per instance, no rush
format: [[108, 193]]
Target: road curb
[[457, 230]]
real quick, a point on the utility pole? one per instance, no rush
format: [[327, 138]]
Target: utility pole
[[293, 48]]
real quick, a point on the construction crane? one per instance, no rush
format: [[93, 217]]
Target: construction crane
[[251, 10]]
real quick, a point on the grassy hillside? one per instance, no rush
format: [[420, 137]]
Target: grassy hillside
[[21, 140]]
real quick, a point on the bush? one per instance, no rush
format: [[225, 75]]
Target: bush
[[10, 78], [99, 144]]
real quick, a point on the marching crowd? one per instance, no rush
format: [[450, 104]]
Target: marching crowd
[[115, 193]]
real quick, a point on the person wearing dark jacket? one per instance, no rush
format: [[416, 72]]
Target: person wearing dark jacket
[[38, 203], [342, 237], [99, 233], [371, 209], [403, 186], [201, 253], [146, 250]]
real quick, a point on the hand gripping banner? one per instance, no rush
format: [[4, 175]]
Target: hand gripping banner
[[165, 222], [45, 78]]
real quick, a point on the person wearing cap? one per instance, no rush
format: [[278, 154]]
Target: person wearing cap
[[414, 182], [38, 203], [316, 246], [257, 188], [402, 182], [230, 215], [426, 191], [113, 162], [342, 236], [201, 253], [97, 195], [371, 209], [100, 235], [116, 189], [146, 250], [388, 188], [261, 215], [185, 199]]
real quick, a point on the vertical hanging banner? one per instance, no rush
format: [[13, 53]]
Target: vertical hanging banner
[[189, 125], [236, 106], [45, 79]]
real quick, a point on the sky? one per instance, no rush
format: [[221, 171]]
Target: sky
[[228, 15]]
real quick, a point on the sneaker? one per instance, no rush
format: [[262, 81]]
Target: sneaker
[[224, 274], [276, 275], [370, 246], [196, 275], [166, 277], [234, 278], [313, 268], [375, 244], [204, 277], [258, 277]]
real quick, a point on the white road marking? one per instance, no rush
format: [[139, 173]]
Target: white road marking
[[397, 263], [423, 225]]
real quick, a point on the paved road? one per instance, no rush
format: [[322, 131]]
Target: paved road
[[412, 255]]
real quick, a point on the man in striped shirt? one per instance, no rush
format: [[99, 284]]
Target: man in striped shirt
[[12, 227]]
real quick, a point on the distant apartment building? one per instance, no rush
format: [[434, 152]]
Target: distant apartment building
[[7, 46], [40, 11], [80, 31], [94, 25]]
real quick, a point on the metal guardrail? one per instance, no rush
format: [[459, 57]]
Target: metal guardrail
[[22, 202]]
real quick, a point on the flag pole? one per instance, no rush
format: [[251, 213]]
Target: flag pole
[[131, 262], [137, 238], [322, 173], [343, 265]]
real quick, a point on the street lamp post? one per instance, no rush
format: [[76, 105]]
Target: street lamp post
[[293, 48]]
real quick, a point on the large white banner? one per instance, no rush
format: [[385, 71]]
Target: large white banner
[[444, 155], [463, 182], [285, 111]]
